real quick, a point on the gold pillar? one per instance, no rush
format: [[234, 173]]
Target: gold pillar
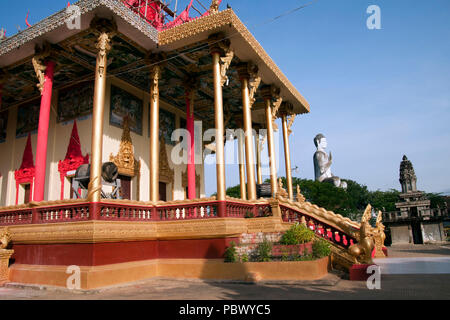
[[155, 73], [287, 156], [258, 159], [220, 130], [267, 94], [241, 155], [95, 185], [249, 154]]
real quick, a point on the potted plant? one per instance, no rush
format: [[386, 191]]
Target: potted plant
[[296, 241]]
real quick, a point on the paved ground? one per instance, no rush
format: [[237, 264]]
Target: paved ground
[[414, 251], [431, 281]]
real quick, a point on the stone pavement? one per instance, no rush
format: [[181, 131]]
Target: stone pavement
[[394, 285]]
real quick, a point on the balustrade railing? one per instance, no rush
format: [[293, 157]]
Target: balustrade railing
[[62, 213], [111, 211], [191, 211], [320, 228], [121, 212], [16, 217]]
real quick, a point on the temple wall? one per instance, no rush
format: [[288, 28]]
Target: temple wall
[[401, 234], [433, 232], [58, 140]]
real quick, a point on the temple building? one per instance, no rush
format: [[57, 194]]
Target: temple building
[[414, 222], [111, 84]]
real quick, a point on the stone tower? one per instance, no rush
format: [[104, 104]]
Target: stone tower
[[408, 179], [413, 203]]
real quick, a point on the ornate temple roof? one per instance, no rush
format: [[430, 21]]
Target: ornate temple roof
[[185, 46]]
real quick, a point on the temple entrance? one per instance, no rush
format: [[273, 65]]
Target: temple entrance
[[27, 197], [125, 187], [417, 232], [162, 191]]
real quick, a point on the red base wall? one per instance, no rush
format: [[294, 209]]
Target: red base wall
[[98, 254]]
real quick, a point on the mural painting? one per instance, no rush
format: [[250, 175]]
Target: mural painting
[[27, 119], [75, 102], [125, 104]]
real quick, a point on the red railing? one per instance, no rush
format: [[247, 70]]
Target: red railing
[[191, 211], [16, 217], [62, 213], [110, 211], [320, 228], [122, 212]]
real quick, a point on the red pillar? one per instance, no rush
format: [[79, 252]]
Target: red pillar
[[44, 117], [191, 146]]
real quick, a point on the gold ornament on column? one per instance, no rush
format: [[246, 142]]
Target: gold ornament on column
[[253, 83], [41, 53], [276, 106]]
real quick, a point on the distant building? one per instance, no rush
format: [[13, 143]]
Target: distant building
[[415, 221]]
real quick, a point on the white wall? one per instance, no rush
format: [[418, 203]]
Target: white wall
[[58, 141]]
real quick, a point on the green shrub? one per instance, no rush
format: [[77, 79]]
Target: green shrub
[[264, 251], [244, 258], [297, 234], [231, 253], [321, 248]]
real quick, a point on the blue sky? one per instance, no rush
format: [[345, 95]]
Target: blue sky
[[375, 94]]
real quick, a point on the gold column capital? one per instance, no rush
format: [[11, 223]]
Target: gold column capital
[[249, 71], [218, 44], [41, 53]]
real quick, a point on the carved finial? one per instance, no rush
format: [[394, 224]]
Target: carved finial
[[300, 197], [214, 8]]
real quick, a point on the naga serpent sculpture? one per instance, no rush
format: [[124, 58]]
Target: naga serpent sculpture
[[362, 251]]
